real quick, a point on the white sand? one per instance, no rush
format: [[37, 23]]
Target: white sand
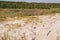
[[46, 27]]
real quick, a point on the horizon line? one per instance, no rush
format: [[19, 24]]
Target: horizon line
[[29, 2]]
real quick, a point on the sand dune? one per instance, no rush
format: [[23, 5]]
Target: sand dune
[[43, 27]]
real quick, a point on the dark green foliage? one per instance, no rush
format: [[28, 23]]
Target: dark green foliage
[[25, 5]]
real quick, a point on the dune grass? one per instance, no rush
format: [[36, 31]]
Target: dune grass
[[4, 13]]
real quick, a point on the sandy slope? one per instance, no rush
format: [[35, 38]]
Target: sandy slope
[[45, 27]]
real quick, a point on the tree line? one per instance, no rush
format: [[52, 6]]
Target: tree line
[[25, 5]]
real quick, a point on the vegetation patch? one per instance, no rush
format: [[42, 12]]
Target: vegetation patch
[[26, 5]]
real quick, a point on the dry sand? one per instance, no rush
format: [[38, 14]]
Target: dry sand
[[44, 27]]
